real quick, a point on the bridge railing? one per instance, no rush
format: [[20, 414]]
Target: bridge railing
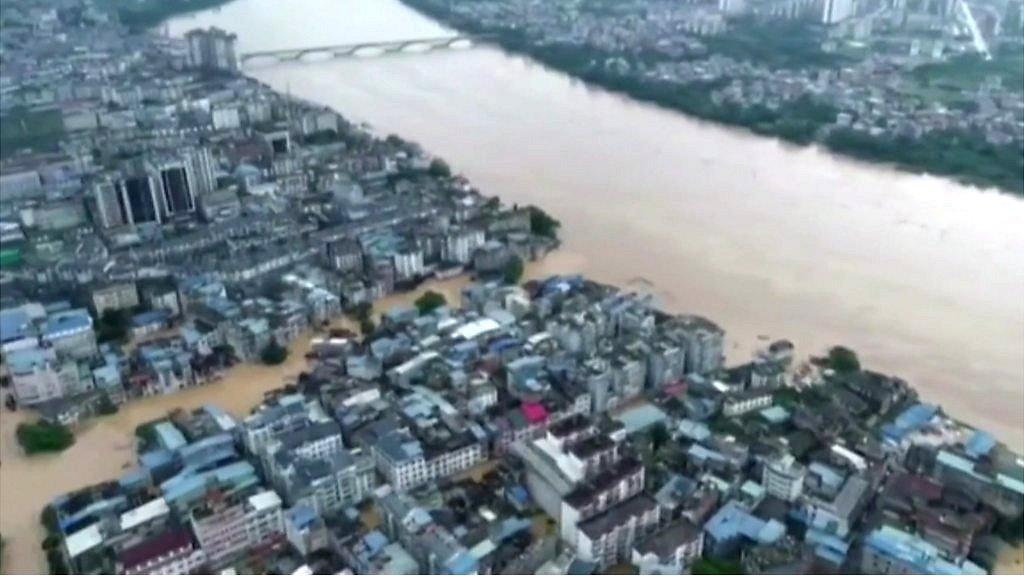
[[341, 50]]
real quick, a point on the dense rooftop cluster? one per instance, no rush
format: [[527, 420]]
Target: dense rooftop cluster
[[185, 217], [561, 426]]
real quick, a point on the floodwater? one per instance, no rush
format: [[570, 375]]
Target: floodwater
[[104, 448], [922, 276]]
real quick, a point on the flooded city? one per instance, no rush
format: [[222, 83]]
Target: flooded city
[[922, 276], [104, 448]]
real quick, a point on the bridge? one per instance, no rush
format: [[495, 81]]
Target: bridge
[[347, 50]]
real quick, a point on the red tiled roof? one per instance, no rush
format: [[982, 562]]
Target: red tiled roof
[[534, 412], [160, 544]]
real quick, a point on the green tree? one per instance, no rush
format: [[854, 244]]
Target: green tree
[[146, 433], [659, 436], [439, 169], [712, 566], [51, 541], [1011, 530], [366, 326], [56, 561], [430, 301], [843, 360], [105, 406], [113, 325], [542, 224], [44, 436], [513, 271], [48, 518], [273, 353], [361, 311]]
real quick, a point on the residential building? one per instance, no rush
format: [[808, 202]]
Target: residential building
[[609, 537], [671, 550], [888, 550], [228, 526], [170, 552], [747, 401], [36, 375], [114, 296], [70, 333], [212, 49], [784, 478]]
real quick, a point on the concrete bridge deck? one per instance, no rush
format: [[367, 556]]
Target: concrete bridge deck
[[352, 49]]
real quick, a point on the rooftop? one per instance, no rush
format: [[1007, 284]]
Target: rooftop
[[154, 547], [732, 521], [668, 540], [617, 515]]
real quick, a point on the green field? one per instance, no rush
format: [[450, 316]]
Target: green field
[[24, 129]]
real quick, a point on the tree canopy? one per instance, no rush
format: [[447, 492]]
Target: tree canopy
[[273, 353], [366, 326], [44, 436], [513, 271], [542, 224], [843, 360], [430, 301], [659, 436], [113, 325], [439, 168]]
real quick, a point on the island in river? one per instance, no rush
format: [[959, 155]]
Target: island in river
[[773, 77]]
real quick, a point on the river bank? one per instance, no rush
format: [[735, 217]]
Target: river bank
[[105, 447], [764, 238], [706, 217], [964, 156], [142, 14]]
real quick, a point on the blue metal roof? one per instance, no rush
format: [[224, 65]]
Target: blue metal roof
[[14, 325], [909, 420], [168, 436], [980, 443], [518, 494], [158, 316], [67, 321], [641, 417], [462, 563], [26, 361], [301, 516], [775, 414], [156, 458], [135, 478], [921, 556], [374, 541], [732, 521]]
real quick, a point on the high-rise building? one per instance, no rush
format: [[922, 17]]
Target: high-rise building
[[212, 49], [835, 11], [176, 179], [139, 200], [199, 162], [784, 478], [226, 526], [108, 204]]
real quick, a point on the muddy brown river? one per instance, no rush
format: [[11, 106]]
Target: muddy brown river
[[924, 277]]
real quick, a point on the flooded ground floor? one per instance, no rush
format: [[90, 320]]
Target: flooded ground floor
[[105, 447]]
